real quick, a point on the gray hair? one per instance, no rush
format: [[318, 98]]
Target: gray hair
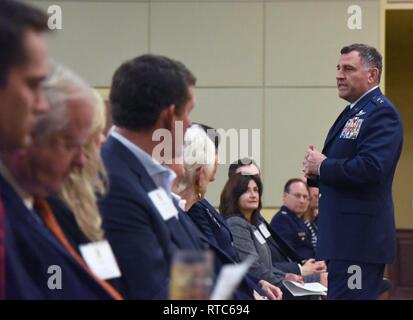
[[61, 86], [370, 56], [199, 151]]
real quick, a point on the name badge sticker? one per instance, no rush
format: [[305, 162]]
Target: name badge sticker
[[264, 231], [100, 259], [163, 203], [259, 237]]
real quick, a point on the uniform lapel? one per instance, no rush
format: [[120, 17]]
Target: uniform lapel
[[284, 248], [337, 125], [345, 116]]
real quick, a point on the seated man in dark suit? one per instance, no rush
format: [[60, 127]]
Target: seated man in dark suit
[[28, 175], [151, 97], [23, 67]]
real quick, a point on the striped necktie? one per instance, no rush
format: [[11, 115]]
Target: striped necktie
[[42, 207]]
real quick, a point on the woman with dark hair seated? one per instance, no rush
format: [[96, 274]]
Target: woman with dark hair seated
[[240, 205]]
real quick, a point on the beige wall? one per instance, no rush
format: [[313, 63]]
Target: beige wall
[[268, 65]]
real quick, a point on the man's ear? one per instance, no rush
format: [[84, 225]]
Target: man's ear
[[173, 109], [167, 117], [373, 75]]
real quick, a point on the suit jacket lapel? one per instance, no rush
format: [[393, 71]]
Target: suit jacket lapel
[[27, 219], [176, 228], [132, 162], [190, 233], [225, 257], [216, 216]]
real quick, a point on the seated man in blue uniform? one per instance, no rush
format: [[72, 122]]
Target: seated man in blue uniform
[[288, 222], [354, 173]]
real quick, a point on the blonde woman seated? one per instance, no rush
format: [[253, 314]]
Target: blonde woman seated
[[75, 207], [200, 162]]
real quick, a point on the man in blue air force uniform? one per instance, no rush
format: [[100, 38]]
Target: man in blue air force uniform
[[288, 222], [354, 173]]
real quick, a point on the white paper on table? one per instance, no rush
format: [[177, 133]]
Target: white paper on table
[[229, 278], [306, 289]]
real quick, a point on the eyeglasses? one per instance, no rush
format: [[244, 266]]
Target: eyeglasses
[[299, 196]]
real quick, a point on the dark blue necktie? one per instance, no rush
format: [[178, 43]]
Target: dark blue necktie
[[338, 121], [343, 114]]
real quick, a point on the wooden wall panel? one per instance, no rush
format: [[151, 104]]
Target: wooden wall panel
[[401, 272]]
